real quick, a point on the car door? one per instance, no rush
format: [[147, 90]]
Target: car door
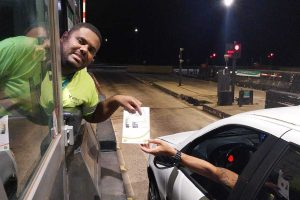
[[230, 146], [180, 187], [278, 177]]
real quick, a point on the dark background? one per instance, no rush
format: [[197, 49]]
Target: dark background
[[200, 27]]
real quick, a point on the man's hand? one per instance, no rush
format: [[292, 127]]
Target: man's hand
[[107, 107], [161, 148], [129, 103]]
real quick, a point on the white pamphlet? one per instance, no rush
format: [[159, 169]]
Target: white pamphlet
[[4, 137], [136, 127]]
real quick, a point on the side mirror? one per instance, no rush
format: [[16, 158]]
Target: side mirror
[[163, 161]]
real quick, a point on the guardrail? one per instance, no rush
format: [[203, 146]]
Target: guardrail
[[256, 79], [275, 98]]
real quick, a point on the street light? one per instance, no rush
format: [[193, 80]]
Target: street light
[[136, 30], [228, 3]]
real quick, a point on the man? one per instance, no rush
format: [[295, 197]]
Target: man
[[37, 30], [78, 48], [204, 168], [220, 175], [21, 63]]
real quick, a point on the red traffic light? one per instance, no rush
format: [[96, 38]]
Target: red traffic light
[[271, 55], [230, 52], [233, 50], [237, 47], [213, 55]]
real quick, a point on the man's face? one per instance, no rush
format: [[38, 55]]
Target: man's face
[[41, 33], [78, 49]]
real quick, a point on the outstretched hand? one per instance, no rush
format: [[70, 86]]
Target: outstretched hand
[[161, 148], [129, 103]]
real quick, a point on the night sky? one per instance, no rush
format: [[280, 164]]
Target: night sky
[[200, 27]]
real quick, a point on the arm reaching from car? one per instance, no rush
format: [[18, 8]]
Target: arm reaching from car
[[202, 167], [106, 108]]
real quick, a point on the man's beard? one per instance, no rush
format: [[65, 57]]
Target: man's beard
[[68, 67]]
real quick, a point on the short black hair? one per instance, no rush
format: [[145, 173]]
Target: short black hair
[[35, 25], [88, 26]]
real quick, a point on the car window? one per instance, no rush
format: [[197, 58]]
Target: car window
[[229, 147], [283, 183], [25, 61]]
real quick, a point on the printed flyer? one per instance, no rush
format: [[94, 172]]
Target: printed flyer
[[136, 127]]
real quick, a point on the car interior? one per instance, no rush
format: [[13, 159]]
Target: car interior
[[228, 147]]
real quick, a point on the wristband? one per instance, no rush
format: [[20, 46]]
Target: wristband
[[177, 158]]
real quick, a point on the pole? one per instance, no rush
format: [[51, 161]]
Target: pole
[[180, 65], [83, 11], [226, 57], [136, 32], [233, 77]]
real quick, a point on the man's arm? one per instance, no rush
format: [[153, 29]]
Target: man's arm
[[106, 108], [202, 167]]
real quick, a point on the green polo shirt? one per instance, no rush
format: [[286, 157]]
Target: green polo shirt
[[20, 72], [78, 91]]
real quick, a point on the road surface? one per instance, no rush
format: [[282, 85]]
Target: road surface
[[168, 115]]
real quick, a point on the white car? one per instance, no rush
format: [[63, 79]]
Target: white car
[[262, 146]]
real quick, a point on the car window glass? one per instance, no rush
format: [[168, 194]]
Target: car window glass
[[283, 183], [24, 62], [227, 147]]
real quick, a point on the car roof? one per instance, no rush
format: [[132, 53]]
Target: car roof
[[283, 118], [287, 115]]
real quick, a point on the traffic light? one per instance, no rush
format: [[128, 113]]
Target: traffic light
[[237, 49], [233, 50], [213, 55], [271, 56]]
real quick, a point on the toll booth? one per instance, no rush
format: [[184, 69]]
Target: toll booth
[[245, 97], [69, 14], [53, 155], [224, 90]]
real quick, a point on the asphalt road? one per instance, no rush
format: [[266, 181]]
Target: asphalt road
[[168, 115]]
